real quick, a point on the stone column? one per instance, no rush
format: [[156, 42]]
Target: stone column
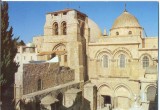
[[90, 96]]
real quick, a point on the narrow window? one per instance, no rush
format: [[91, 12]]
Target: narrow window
[[82, 29], [31, 57], [39, 84], [65, 58], [122, 61], [64, 13], [24, 57], [59, 58], [17, 58], [105, 61], [130, 32], [64, 28], [55, 28], [145, 62], [117, 33], [55, 14]]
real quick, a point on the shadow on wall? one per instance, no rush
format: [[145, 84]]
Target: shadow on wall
[[7, 97], [80, 103]]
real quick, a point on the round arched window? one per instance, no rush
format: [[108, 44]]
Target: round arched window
[[122, 61], [105, 61], [64, 28], [55, 28], [145, 62]]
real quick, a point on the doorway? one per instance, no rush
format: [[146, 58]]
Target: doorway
[[106, 101]]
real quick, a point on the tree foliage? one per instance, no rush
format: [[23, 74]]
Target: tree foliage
[[21, 43], [8, 48]]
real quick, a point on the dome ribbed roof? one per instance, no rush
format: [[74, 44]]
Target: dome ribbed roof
[[126, 20]]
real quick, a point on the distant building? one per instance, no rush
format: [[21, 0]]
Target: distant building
[[25, 55], [95, 71]]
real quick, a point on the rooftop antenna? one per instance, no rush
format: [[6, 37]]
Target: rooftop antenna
[[79, 8]]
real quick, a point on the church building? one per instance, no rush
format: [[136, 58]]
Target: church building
[[95, 71]]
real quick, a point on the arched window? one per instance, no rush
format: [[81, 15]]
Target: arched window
[[105, 61], [55, 28], [145, 62], [130, 32], [117, 33], [64, 28], [151, 93], [122, 61], [39, 84]]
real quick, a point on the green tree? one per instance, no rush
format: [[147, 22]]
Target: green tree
[[8, 65], [21, 43]]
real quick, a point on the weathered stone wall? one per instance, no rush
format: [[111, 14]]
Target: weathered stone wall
[[50, 74]]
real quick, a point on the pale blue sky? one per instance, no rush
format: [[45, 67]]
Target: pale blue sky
[[28, 18]]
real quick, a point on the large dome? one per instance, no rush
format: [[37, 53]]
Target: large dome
[[126, 20], [95, 31]]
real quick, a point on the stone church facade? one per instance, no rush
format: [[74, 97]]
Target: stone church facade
[[115, 71]]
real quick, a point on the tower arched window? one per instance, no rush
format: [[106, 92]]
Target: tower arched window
[[64, 28], [145, 62], [105, 61], [39, 84], [130, 32], [117, 33], [55, 28], [122, 61]]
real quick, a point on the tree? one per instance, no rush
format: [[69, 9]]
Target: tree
[[21, 43], [8, 65]]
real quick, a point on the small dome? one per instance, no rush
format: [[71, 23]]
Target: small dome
[[30, 45], [126, 20]]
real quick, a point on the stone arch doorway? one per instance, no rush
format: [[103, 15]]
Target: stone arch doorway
[[151, 93], [122, 98], [105, 97], [151, 97]]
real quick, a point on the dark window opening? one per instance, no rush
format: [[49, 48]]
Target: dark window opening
[[55, 29], [64, 28], [39, 84], [65, 58], [107, 100], [130, 32], [64, 13], [55, 14], [117, 33]]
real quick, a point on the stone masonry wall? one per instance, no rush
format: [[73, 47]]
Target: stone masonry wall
[[50, 74]]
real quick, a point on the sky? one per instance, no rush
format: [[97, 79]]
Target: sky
[[28, 18]]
